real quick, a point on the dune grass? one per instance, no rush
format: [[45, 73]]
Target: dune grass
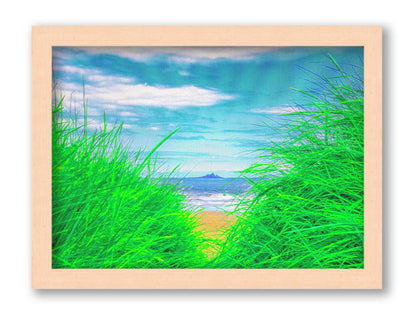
[[307, 210], [110, 211]]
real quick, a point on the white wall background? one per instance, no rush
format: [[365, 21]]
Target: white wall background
[[397, 18]]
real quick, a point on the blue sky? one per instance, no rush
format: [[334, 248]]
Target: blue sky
[[220, 97]]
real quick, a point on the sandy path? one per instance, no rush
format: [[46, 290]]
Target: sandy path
[[213, 224]]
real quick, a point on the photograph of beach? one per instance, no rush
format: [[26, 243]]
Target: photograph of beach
[[207, 157]]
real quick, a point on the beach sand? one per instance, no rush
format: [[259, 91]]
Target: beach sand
[[213, 224]]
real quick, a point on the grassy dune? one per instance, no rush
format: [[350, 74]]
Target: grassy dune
[[307, 210], [109, 211]]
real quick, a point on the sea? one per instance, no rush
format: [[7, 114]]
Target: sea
[[214, 194]]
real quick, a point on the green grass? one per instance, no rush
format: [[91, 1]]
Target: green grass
[[108, 210], [307, 210]]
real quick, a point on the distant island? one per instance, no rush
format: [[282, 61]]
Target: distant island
[[211, 176]]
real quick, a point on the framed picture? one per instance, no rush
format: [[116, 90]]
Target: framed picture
[[196, 157]]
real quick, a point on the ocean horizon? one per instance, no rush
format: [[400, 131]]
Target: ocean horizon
[[213, 194]]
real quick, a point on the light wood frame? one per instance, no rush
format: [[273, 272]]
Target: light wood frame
[[46, 37]]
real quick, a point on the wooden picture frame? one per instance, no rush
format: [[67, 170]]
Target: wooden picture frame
[[46, 37]]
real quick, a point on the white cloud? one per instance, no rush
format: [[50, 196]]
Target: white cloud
[[286, 109], [77, 70], [93, 75], [180, 54], [112, 91], [127, 114], [94, 124], [144, 95], [128, 126], [108, 79], [109, 106], [134, 53], [73, 104]]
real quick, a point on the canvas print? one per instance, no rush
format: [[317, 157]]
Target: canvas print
[[207, 157]]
